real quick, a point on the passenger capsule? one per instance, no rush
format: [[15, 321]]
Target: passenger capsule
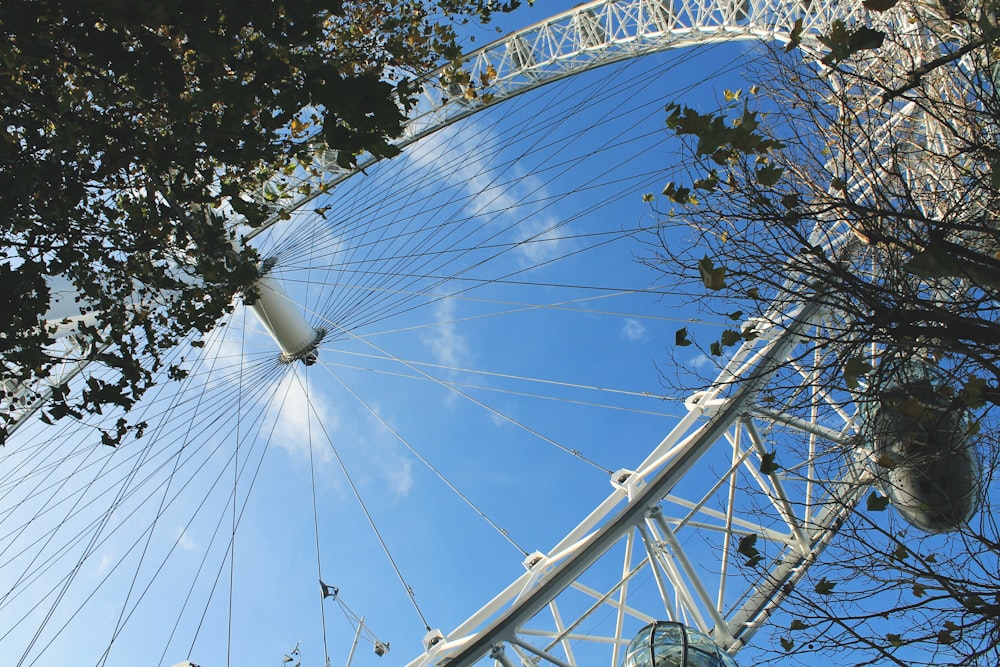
[[669, 644], [926, 455]]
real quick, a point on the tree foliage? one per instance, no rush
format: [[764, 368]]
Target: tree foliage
[[129, 128], [866, 181]]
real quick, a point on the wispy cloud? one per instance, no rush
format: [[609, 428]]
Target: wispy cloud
[[300, 412], [700, 361], [400, 476], [447, 346], [495, 190], [388, 461], [185, 542], [633, 330]]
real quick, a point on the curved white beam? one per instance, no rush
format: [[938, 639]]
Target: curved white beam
[[586, 37]]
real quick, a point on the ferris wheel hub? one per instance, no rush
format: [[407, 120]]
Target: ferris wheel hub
[[284, 320]]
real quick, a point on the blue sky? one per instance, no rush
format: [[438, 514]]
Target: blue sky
[[521, 328]]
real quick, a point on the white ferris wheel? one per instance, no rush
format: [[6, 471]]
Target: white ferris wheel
[[446, 404]]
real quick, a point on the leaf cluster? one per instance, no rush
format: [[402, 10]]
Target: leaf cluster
[[878, 201], [132, 133]]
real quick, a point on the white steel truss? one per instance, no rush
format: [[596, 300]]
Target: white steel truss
[[588, 36], [677, 518], [708, 529]]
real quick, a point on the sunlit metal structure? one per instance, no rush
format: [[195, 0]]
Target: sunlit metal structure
[[689, 496]]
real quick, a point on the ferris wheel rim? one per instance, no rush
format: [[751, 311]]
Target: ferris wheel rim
[[626, 29], [573, 14]]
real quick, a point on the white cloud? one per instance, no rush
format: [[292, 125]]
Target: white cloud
[[104, 563], [447, 346], [399, 473], [507, 197], [185, 542], [701, 361], [300, 414], [389, 459], [633, 330]]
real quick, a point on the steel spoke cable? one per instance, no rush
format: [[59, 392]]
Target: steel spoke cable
[[356, 621], [159, 512], [110, 534], [498, 390], [150, 528], [509, 376], [477, 265], [615, 118], [364, 508], [566, 305], [235, 492], [338, 318], [507, 245], [222, 516], [174, 399], [315, 518], [398, 309], [122, 462], [121, 524], [427, 464], [575, 453]]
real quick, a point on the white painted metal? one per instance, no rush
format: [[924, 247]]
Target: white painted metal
[[676, 524], [284, 320], [686, 500], [588, 36]]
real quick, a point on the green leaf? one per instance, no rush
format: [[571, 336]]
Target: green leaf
[[879, 5], [901, 553], [973, 602], [709, 183], [787, 643], [795, 36], [731, 337], [865, 38], [919, 590], [790, 201], [877, 503], [854, 368], [768, 465], [825, 586], [678, 195], [885, 460], [945, 637], [735, 315], [715, 349], [769, 175], [934, 262], [843, 43], [681, 338], [972, 393], [747, 546], [713, 277], [894, 640], [798, 625]]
